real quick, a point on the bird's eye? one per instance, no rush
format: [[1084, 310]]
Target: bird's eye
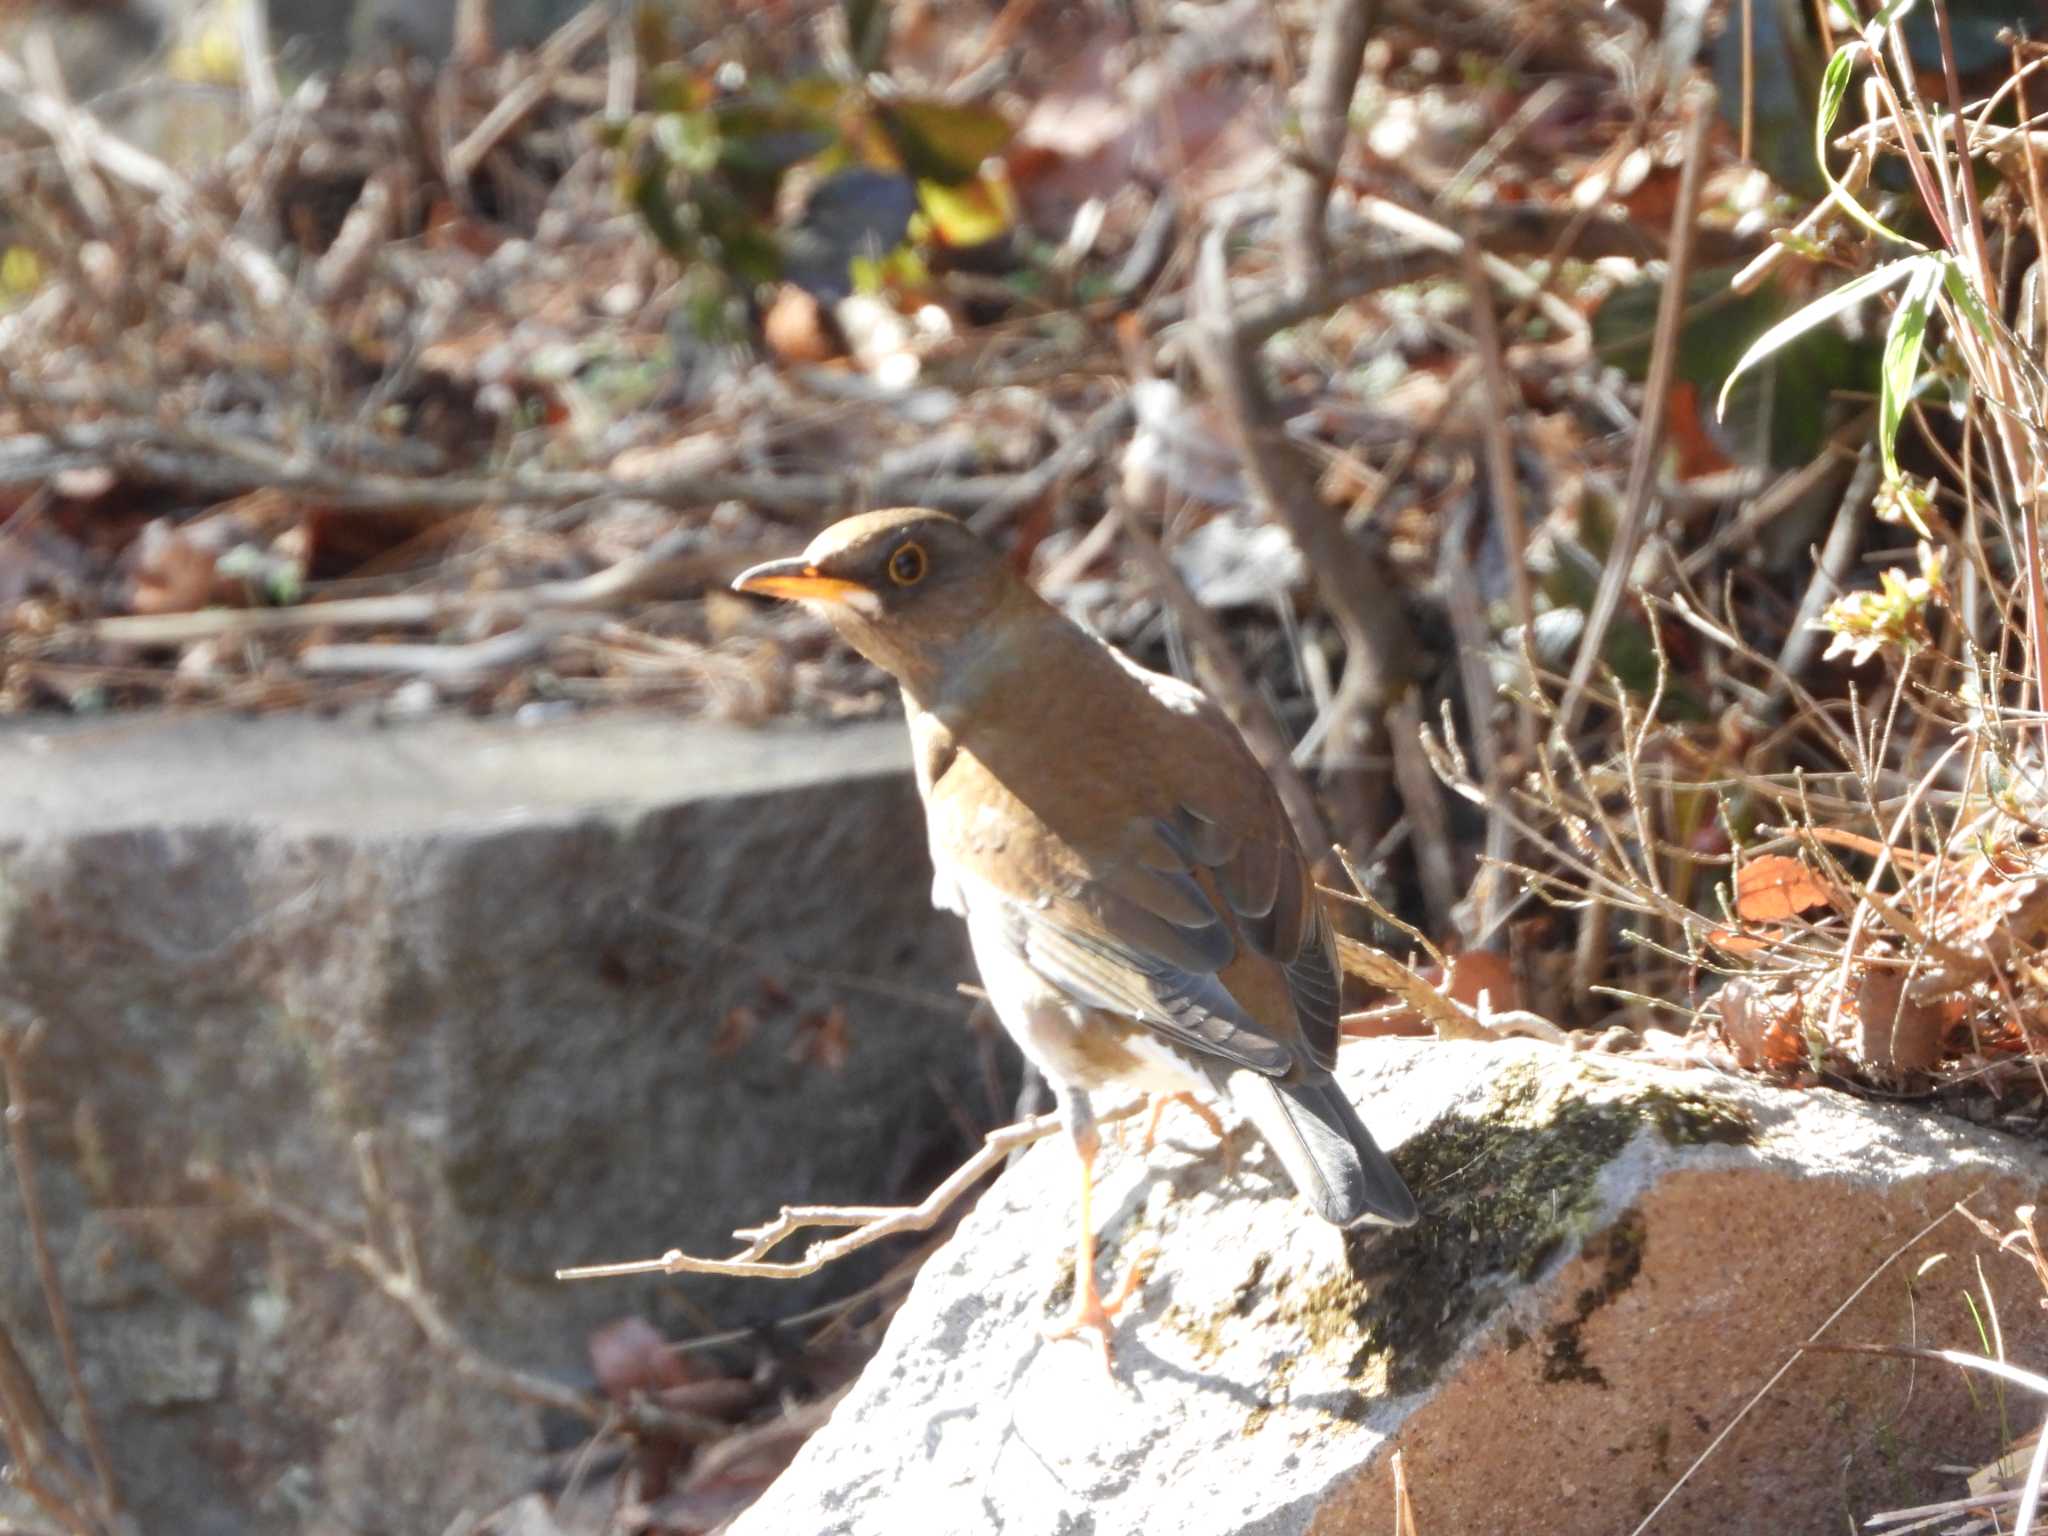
[[907, 566]]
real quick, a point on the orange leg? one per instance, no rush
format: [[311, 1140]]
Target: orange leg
[[1092, 1314], [1203, 1111]]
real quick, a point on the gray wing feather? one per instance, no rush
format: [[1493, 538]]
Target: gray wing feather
[[1183, 1003]]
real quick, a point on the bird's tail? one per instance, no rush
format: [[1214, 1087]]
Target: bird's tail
[[1325, 1149]]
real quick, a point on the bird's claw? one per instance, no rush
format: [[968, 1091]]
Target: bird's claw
[[1094, 1316]]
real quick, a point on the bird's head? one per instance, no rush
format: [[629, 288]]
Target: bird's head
[[910, 589]]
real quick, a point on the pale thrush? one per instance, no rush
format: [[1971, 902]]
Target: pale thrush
[[1140, 908]]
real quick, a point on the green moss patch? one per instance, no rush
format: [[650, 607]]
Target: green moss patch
[[1502, 1194]]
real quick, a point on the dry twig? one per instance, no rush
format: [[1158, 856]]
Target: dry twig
[[1642, 473], [1379, 645], [399, 1279], [22, 1406], [870, 1223]]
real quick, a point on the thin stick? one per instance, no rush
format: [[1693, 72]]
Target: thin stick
[[1642, 471], [555, 55], [1379, 644], [870, 1223], [259, 67], [629, 579], [1748, 79], [39, 53], [1323, 109], [35, 1445], [23, 1156], [1500, 466], [407, 1291]]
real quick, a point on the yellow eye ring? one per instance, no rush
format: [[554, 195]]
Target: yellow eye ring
[[908, 565]]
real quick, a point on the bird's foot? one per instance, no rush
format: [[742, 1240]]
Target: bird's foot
[[1208, 1117], [1093, 1315]]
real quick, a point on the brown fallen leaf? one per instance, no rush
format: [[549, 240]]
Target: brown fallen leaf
[[1762, 1026], [821, 1040], [1733, 941], [1775, 886], [798, 329], [733, 1032], [629, 1356], [173, 571], [1894, 1031]]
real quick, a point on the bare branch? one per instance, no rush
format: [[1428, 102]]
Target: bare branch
[[870, 1223], [1225, 679], [269, 289], [23, 1155], [556, 54], [405, 1288], [1324, 108], [1380, 646], [1649, 444]]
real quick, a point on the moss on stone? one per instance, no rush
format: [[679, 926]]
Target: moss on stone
[[1502, 1193], [1697, 1119]]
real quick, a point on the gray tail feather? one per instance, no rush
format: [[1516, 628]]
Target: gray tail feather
[[1325, 1149]]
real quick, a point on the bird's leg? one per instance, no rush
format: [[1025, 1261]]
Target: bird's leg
[[1090, 1314], [1207, 1116]]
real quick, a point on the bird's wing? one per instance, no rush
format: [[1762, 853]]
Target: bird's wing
[[1235, 825], [1100, 968], [1266, 886], [1239, 829], [1146, 920]]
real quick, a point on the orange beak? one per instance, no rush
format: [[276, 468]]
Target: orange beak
[[795, 579]]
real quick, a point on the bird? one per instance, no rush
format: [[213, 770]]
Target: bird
[[1137, 902]]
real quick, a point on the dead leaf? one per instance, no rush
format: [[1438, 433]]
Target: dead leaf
[[173, 571], [1691, 442], [821, 1040], [1733, 941], [1775, 886], [1762, 1027], [1894, 1031], [797, 328], [733, 1032], [630, 1356], [2008, 1471]]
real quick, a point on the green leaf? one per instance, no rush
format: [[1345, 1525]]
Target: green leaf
[[688, 140], [1885, 17], [1819, 312], [1902, 356], [867, 32], [1967, 299], [759, 140], [1834, 86], [941, 142]]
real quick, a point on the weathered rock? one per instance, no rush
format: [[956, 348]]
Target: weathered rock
[[1612, 1259], [513, 955]]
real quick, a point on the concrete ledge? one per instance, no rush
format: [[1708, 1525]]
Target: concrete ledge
[[573, 982]]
